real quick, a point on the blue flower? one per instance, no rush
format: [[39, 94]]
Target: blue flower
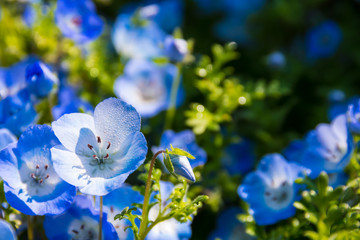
[[168, 229], [239, 158], [353, 117], [80, 221], [229, 227], [270, 190], [147, 86], [340, 106], [69, 102], [99, 152], [78, 20], [175, 49], [6, 137], [12, 79], [328, 148], [137, 40], [17, 112], [337, 179], [293, 152], [7, 231], [276, 60], [112, 206], [40, 80], [323, 40], [30, 182]]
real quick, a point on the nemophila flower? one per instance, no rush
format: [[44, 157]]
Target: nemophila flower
[[78, 20], [115, 202], [328, 148], [147, 86], [6, 137], [12, 79], [175, 49], [80, 221], [99, 152], [7, 231], [137, 38], [337, 179], [270, 191], [276, 60], [353, 117], [229, 227], [323, 40], [40, 80], [341, 106], [30, 182], [17, 112], [184, 140], [293, 152], [69, 102], [171, 228], [239, 158]]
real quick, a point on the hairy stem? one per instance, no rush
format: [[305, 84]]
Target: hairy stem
[[100, 217], [144, 215], [173, 96]]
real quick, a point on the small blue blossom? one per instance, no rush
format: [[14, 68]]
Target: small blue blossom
[[341, 106], [239, 158], [293, 152], [175, 49], [17, 112], [184, 140], [168, 229], [69, 102], [40, 80], [7, 231], [270, 190], [328, 148], [78, 20], [137, 40], [276, 60], [353, 117], [6, 137], [323, 40], [228, 226], [147, 86], [80, 221], [99, 152], [112, 206], [30, 182]]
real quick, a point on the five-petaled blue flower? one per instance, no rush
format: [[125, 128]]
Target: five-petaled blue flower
[[171, 228], [40, 80], [270, 190], [80, 221], [113, 206], [78, 20], [30, 182], [99, 152], [147, 86], [323, 40]]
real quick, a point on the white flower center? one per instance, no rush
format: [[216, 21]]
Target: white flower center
[[84, 228], [278, 197]]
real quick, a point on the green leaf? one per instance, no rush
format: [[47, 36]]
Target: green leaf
[[180, 152], [168, 164]]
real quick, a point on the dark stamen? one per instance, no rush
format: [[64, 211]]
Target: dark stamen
[[283, 184], [46, 167], [112, 209], [74, 231], [99, 139], [91, 147], [107, 156], [47, 176], [267, 193], [94, 156], [82, 226], [37, 166], [274, 198], [108, 146], [32, 175], [41, 180]]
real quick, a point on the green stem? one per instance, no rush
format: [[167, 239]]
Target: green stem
[[30, 231], [100, 217], [145, 209], [173, 96]]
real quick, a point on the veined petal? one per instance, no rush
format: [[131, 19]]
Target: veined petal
[[9, 166], [115, 120], [75, 131]]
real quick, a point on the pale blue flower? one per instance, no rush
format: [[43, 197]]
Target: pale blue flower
[[7, 231], [99, 152]]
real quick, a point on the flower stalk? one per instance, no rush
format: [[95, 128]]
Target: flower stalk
[[173, 96], [100, 217]]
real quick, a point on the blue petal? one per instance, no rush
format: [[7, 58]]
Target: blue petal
[[6, 137], [75, 131], [182, 167], [7, 231], [9, 166], [115, 120]]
